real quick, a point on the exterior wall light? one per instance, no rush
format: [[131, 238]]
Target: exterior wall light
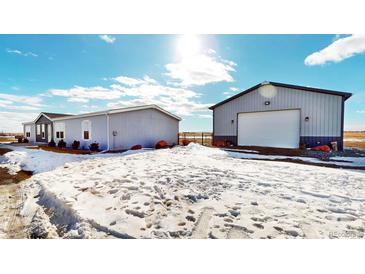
[[306, 119], [267, 103], [232, 121]]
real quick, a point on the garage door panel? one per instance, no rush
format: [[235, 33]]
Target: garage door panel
[[269, 128]]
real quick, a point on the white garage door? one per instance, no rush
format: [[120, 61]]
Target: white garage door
[[269, 128]]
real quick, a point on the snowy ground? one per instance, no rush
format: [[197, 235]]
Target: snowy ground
[[38, 160], [194, 192]]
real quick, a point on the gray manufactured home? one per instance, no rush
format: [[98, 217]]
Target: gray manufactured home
[[274, 114], [112, 129]]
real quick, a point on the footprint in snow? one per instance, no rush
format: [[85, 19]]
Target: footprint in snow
[[260, 226]]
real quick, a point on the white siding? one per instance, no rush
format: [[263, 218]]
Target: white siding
[[30, 127], [143, 127], [324, 111], [59, 127], [73, 131]]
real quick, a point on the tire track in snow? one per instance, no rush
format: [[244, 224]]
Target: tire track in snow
[[201, 229]]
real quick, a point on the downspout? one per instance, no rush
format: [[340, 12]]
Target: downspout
[[108, 130]]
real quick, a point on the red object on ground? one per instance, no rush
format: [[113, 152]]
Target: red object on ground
[[185, 142], [161, 144], [220, 143], [324, 148], [136, 147]]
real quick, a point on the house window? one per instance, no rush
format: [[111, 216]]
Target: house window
[[86, 130], [86, 135], [60, 135], [38, 129], [27, 131], [43, 131], [60, 130]]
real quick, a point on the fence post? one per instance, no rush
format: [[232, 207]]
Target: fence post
[[202, 138]]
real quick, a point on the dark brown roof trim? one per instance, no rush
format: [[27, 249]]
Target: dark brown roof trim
[[55, 115], [346, 95]]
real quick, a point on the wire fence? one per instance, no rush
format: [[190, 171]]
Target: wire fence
[[203, 138]]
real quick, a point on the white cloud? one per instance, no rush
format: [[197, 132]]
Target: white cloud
[[12, 121], [90, 106], [339, 50], [107, 38], [136, 91], [17, 102], [134, 81], [360, 111], [17, 107], [86, 93], [178, 100], [18, 52], [201, 69], [179, 106], [153, 90], [234, 89], [78, 100]]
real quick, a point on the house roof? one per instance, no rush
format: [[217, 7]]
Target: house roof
[[118, 110], [51, 116], [48, 115], [346, 95], [55, 115]]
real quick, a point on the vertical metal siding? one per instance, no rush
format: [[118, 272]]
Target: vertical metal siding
[[324, 111], [32, 132], [73, 131], [143, 127]]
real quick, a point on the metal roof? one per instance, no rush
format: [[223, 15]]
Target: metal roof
[[346, 95], [119, 110], [55, 115]]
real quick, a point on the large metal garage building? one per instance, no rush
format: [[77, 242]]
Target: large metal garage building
[[274, 114]]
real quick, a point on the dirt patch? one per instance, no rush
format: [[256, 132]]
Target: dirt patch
[[354, 139], [6, 178], [357, 144], [64, 150], [323, 156], [11, 222], [271, 150], [4, 150], [6, 140], [288, 160]]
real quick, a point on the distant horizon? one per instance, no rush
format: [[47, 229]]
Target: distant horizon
[[184, 74]]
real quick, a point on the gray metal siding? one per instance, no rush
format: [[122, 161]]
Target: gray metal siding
[[324, 111], [45, 121], [143, 127], [73, 131]]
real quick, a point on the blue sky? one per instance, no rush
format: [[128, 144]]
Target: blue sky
[[182, 73]]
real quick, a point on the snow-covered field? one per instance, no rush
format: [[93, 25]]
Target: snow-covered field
[[196, 192]]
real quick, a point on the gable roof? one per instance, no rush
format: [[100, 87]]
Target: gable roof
[[118, 110], [346, 95], [55, 115], [50, 116]]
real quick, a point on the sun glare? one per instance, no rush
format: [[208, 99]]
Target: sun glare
[[188, 45]]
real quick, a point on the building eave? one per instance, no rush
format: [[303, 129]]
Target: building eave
[[115, 111], [345, 95]]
